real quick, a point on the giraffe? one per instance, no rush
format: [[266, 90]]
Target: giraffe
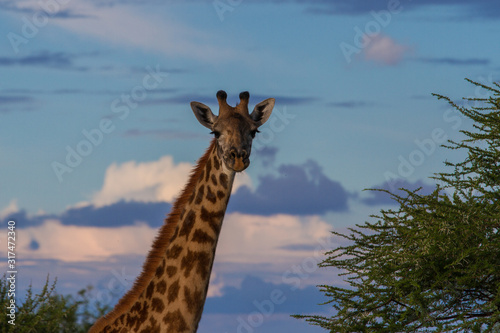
[[169, 294]]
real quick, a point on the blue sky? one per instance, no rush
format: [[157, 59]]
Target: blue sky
[[98, 136]]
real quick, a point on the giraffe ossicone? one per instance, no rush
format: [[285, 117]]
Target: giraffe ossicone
[[169, 294]]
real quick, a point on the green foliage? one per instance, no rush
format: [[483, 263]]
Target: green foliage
[[433, 264], [49, 312]]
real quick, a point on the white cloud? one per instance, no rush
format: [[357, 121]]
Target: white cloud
[[242, 179], [253, 239], [78, 244], [11, 208], [384, 50], [155, 181], [216, 285]]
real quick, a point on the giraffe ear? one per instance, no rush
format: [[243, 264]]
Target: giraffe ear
[[262, 111], [204, 114]]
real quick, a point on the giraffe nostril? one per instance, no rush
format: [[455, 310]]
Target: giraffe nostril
[[244, 154], [233, 153]]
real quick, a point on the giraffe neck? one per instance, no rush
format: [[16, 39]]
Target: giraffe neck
[[170, 293]]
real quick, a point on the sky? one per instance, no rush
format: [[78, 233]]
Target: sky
[[98, 137]]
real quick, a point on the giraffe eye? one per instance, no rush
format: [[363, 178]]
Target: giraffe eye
[[252, 133], [216, 134]]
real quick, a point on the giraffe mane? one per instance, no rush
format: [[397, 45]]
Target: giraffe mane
[[160, 245]]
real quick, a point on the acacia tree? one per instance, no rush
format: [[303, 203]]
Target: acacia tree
[[432, 264], [47, 311]]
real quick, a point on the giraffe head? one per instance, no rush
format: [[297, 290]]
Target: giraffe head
[[234, 128]]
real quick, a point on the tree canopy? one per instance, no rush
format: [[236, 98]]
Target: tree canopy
[[432, 264], [47, 311]]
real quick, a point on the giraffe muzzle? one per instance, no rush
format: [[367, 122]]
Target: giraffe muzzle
[[239, 160]]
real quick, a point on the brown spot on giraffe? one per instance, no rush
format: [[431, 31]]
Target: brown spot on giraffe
[[200, 194], [182, 214], [171, 270], [208, 170], [169, 294], [223, 180], [174, 252], [175, 321], [198, 259], [200, 236], [192, 298], [173, 291], [216, 162], [137, 307], [161, 287], [211, 195], [157, 305], [160, 270], [212, 218], [173, 235], [191, 197], [149, 291], [220, 195], [188, 224]]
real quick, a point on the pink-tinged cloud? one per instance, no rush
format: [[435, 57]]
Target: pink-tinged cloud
[[384, 50]]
